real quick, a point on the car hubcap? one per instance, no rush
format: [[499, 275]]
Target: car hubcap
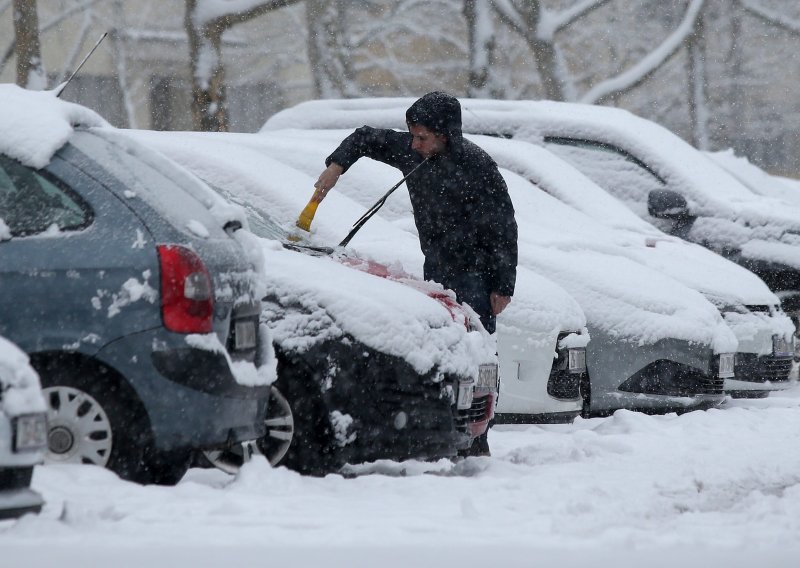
[[273, 446], [78, 428]]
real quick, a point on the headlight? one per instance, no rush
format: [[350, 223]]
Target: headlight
[[726, 362]]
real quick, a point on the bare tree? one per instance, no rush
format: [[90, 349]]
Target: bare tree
[[330, 54], [30, 69], [482, 44], [205, 22], [698, 101]]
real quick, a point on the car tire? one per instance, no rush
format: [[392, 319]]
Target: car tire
[[97, 421], [311, 450], [748, 394]]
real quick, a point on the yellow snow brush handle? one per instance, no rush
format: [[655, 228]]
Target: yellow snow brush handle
[[307, 215]]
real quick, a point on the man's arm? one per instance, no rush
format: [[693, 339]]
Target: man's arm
[[379, 144]]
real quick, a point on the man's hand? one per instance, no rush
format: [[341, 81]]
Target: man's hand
[[499, 302], [327, 179]]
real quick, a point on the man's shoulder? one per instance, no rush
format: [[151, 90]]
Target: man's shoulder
[[475, 155]]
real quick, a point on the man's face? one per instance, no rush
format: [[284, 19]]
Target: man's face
[[426, 142]]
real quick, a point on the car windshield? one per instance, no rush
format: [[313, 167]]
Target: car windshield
[[262, 225]]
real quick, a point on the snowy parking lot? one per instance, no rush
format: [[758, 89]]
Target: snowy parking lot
[[713, 488]]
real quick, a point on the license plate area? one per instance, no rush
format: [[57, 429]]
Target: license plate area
[[726, 361], [487, 377], [244, 334], [30, 432], [466, 390], [577, 360]]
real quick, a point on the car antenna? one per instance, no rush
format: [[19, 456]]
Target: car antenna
[[377, 205], [60, 89]]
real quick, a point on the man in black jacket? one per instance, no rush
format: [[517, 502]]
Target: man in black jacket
[[462, 209]]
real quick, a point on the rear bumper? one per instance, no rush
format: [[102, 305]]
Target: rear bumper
[[190, 395]]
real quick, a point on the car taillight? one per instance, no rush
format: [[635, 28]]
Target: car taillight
[[187, 299]]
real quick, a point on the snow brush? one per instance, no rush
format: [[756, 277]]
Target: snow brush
[[374, 209]]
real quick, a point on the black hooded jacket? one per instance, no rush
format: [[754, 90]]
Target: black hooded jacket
[[462, 209]]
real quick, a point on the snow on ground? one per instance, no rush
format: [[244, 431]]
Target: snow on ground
[[712, 488]]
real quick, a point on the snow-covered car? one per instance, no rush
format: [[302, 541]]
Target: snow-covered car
[[656, 345], [764, 332], [125, 281], [23, 432], [763, 361], [541, 336], [755, 179]]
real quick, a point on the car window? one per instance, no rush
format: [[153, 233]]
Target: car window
[[31, 204], [613, 169]]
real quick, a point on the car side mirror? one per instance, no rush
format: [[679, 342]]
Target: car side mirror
[[667, 204]]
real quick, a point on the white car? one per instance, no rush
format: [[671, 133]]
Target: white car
[[656, 344], [23, 432], [541, 336]]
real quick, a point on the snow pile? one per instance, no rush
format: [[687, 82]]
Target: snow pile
[[701, 489], [35, 124], [20, 391]]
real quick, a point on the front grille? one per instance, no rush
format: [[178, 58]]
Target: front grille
[[752, 368], [711, 385]]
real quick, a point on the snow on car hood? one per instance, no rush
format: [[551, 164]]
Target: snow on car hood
[[35, 124], [631, 301], [730, 214], [335, 301], [20, 390], [270, 173]]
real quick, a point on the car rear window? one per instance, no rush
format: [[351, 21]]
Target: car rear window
[[31, 204], [162, 188]]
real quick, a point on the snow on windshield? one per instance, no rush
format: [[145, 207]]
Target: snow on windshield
[[35, 124], [20, 391]]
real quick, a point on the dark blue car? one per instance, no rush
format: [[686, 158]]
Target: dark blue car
[[123, 280]]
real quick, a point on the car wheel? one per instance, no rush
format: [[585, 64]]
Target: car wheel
[[311, 450], [273, 446], [92, 422]]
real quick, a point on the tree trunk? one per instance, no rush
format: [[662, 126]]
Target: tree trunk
[[698, 100], [328, 52], [481, 49], [209, 106], [30, 70]]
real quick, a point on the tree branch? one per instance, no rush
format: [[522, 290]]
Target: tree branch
[[648, 65], [771, 17], [566, 17]]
